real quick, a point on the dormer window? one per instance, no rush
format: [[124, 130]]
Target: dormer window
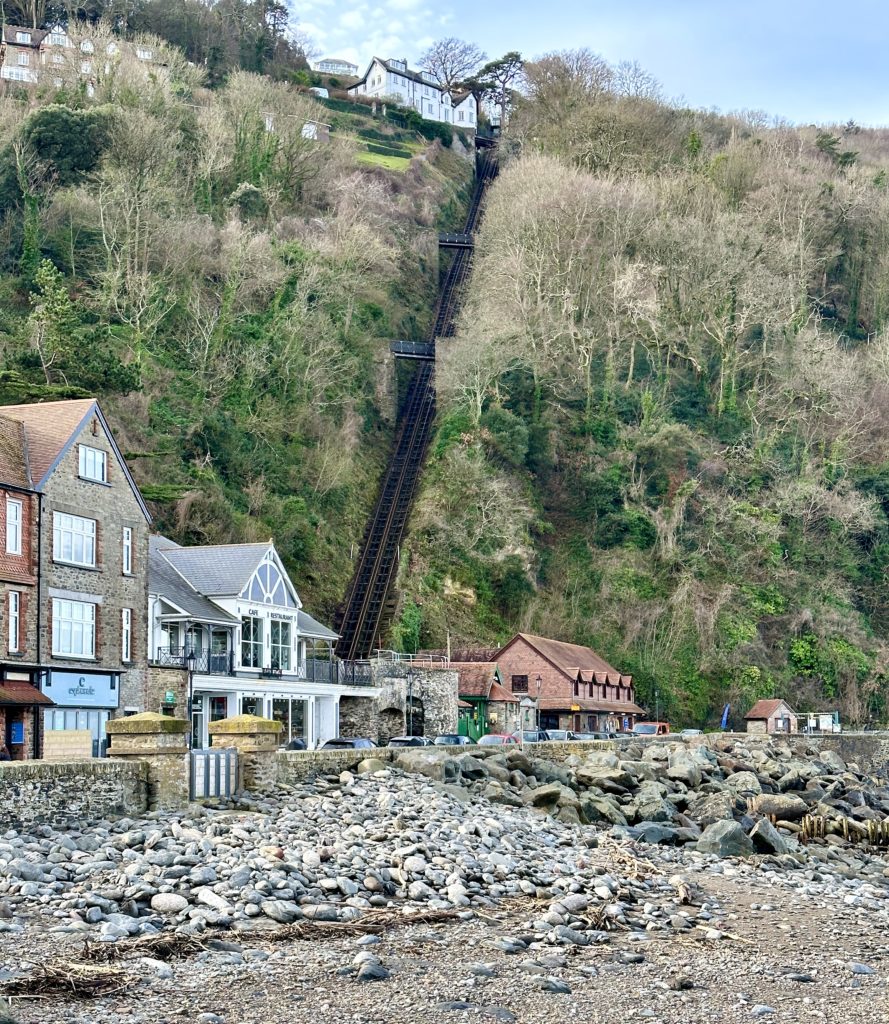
[[144, 53], [23, 37], [93, 464], [86, 46]]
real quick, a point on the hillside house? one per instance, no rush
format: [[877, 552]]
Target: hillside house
[[767, 716], [21, 54], [335, 66], [392, 80], [574, 688], [74, 575], [226, 624]]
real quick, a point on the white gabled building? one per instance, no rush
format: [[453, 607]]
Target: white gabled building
[[393, 80], [336, 66], [231, 617]]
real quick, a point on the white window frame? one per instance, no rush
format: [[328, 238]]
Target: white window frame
[[252, 641], [281, 651], [127, 551], [14, 516], [58, 39], [91, 462], [73, 628], [74, 539], [23, 37], [13, 621], [86, 68], [24, 60], [126, 634], [144, 53]]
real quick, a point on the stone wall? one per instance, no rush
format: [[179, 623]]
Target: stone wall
[[65, 795], [159, 680]]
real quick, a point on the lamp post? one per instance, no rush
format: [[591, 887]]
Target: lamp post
[[657, 705], [190, 658], [410, 702], [539, 682]]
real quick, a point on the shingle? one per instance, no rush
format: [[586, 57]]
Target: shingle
[[569, 658]]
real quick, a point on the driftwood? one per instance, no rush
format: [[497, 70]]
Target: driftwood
[[68, 977]]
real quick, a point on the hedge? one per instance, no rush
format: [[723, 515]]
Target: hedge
[[372, 147]]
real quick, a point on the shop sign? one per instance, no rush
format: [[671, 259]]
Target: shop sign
[[169, 697], [83, 689]]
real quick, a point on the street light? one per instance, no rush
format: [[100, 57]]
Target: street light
[[539, 682], [410, 702], [190, 658], [525, 704], [657, 705]]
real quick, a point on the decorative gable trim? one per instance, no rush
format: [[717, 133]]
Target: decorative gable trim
[[271, 558]]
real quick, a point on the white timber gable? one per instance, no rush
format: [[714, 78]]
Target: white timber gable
[[393, 80]]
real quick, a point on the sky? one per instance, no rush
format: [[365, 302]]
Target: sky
[[805, 61]]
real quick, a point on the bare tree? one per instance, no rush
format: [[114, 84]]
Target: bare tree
[[452, 60]]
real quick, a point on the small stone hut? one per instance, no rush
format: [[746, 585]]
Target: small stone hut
[[768, 716]]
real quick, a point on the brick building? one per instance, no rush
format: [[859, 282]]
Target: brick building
[[82, 608], [574, 688]]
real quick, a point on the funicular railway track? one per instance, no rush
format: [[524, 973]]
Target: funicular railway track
[[369, 599]]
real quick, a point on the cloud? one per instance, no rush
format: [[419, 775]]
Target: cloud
[[353, 19], [403, 5]]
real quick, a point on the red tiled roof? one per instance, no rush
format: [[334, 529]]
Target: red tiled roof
[[462, 654], [22, 693], [475, 677], [498, 693], [766, 708], [13, 463], [568, 658], [48, 427]]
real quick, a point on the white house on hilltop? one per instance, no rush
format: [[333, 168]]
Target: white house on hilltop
[[230, 615], [393, 80], [335, 66]]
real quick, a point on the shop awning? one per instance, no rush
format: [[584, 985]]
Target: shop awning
[[23, 694]]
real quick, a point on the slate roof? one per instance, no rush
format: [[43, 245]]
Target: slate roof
[[165, 581], [766, 708], [37, 35], [312, 628], [569, 659], [414, 76], [217, 570]]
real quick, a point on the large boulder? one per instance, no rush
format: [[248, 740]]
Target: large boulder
[[473, 769], [550, 794], [709, 807], [434, 764], [600, 808], [766, 838], [608, 779], [684, 770], [743, 783], [832, 760], [784, 806], [725, 839]]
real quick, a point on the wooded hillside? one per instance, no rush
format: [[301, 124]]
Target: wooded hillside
[[664, 427], [226, 285]]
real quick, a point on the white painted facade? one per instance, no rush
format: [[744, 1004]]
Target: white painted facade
[[254, 657], [392, 80], [335, 66]]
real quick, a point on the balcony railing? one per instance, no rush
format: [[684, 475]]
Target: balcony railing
[[313, 670]]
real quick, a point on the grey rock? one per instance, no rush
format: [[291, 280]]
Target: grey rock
[[725, 839]]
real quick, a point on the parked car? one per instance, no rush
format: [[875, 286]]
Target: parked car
[[569, 735], [297, 743], [408, 741], [686, 733], [590, 735], [348, 743], [451, 739], [651, 729], [531, 736], [496, 739]]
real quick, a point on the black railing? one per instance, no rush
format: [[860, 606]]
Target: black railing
[[312, 670], [205, 662]]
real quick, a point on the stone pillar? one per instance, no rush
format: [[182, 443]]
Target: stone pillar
[[160, 742], [256, 741]]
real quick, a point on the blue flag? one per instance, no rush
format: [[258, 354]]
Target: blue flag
[[725, 711]]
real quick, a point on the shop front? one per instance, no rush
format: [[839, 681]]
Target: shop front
[[20, 706], [83, 701], [305, 712]]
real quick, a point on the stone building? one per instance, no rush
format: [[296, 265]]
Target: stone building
[[771, 716], [574, 687], [84, 631], [486, 705]]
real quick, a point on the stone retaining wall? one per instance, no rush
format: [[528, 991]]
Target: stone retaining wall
[[68, 794]]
